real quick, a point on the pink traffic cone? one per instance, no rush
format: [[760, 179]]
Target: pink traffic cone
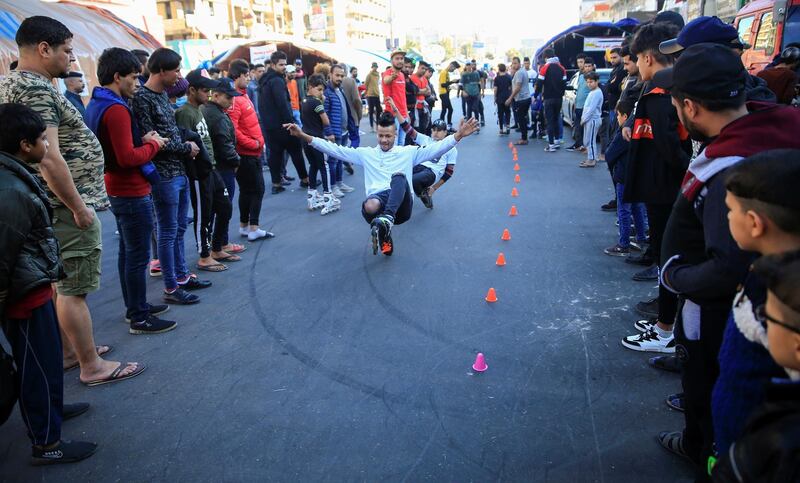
[[480, 363]]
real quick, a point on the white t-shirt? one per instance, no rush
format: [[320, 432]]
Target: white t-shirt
[[380, 165], [437, 165]]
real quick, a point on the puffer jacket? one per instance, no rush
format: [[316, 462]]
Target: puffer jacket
[[29, 258], [249, 138]]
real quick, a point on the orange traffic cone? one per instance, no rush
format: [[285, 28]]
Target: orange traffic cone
[[514, 192], [515, 157], [511, 145], [501, 260], [506, 235], [513, 211], [491, 296], [516, 179], [516, 166]]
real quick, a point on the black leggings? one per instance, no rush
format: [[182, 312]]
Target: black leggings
[[396, 201], [317, 164], [657, 217], [374, 105], [279, 141], [522, 109], [447, 108], [251, 189]]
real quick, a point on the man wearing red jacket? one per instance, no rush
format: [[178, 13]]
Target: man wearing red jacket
[[249, 145], [126, 151]]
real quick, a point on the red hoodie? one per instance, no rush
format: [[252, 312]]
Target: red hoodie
[[249, 140], [768, 126]]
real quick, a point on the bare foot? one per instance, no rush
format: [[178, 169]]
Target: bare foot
[[71, 360], [103, 370]]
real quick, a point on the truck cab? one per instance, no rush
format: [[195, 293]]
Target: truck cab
[[768, 26]]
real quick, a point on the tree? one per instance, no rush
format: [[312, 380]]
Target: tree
[[410, 45], [511, 53], [449, 50], [466, 50]]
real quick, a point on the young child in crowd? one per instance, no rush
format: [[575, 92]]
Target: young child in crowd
[[764, 217], [617, 157], [314, 118], [591, 118]]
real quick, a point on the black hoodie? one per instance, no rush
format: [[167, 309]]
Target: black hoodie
[[274, 103]]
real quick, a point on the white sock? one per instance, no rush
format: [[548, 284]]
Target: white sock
[[664, 334]]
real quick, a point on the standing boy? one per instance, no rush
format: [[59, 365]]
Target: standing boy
[[591, 117]]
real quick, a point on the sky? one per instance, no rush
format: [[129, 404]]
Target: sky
[[510, 20]]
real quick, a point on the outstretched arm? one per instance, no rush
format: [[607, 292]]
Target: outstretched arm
[[331, 149]]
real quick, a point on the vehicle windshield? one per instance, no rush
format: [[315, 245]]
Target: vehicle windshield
[[791, 30]]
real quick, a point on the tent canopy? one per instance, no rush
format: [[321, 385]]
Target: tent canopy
[[569, 43], [94, 29]]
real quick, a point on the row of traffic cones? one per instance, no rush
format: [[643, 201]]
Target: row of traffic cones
[[491, 296]]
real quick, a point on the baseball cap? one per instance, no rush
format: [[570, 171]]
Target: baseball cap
[[668, 16], [705, 71], [298, 61], [225, 85], [397, 52], [439, 125], [700, 30], [74, 73], [374, 64], [201, 78], [290, 69]]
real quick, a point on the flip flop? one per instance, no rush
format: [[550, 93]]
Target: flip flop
[[236, 248], [115, 377], [217, 267], [229, 258], [97, 348]]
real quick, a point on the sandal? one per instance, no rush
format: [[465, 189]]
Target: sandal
[[115, 374], [586, 164], [108, 350], [228, 258], [235, 248], [217, 267], [672, 442]]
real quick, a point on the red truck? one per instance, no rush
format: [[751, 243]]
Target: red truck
[[768, 26]]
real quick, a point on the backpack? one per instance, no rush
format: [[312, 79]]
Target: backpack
[[9, 391]]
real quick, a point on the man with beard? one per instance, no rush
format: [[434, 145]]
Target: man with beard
[[339, 114], [701, 261]]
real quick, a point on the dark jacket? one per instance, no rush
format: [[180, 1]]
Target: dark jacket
[[551, 81], [274, 103], [201, 165], [223, 136], [756, 89], [29, 258], [617, 157], [614, 86], [659, 150], [769, 449], [154, 113]]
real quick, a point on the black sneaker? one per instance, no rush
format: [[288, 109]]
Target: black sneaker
[[648, 308], [63, 452], [610, 206], [152, 325], [285, 182], [672, 442], [669, 363], [675, 401], [426, 199], [193, 283], [573, 148], [73, 410], [304, 184], [647, 275], [288, 178], [277, 189], [644, 260], [180, 297], [152, 310]]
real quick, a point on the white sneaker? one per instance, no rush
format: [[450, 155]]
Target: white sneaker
[[244, 231], [337, 192], [330, 204], [559, 142], [650, 342], [259, 234], [345, 188], [552, 148], [645, 325], [314, 201]]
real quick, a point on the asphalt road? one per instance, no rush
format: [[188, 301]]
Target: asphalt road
[[313, 360]]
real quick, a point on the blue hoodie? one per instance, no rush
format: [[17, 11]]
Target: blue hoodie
[[102, 99]]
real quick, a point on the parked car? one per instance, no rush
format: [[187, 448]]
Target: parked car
[[568, 105], [768, 26]]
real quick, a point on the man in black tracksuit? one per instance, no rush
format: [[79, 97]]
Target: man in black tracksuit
[[275, 105], [700, 260], [551, 83]]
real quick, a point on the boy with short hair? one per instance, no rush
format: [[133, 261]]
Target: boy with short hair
[[315, 119], [591, 119], [29, 265], [617, 158]]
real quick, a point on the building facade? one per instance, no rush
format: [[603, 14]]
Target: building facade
[[358, 23], [223, 19]]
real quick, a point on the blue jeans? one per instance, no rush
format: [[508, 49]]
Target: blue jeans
[[229, 178], [296, 115], [624, 212], [336, 166], [171, 198], [135, 224]]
